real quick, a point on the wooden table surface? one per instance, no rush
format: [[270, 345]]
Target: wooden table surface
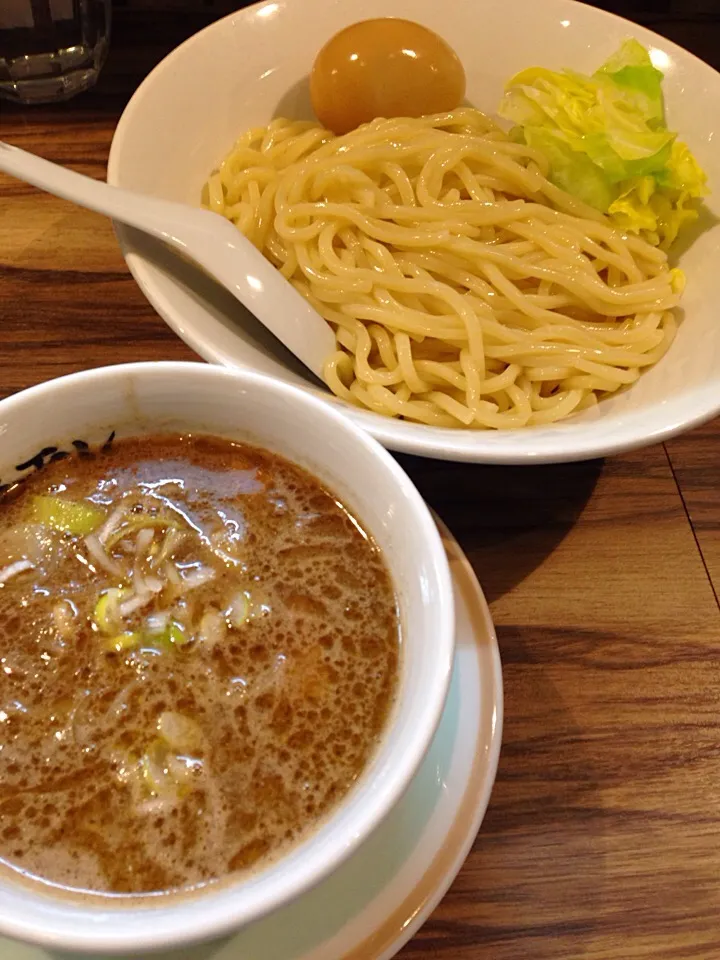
[[602, 839]]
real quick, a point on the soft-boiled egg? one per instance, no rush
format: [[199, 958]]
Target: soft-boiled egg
[[384, 68]]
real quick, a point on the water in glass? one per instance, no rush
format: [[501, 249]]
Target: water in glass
[[51, 49]]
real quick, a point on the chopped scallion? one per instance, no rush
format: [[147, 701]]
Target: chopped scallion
[[69, 516], [142, 522], [105, 614], [129, 640]]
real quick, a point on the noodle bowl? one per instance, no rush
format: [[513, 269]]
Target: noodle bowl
[[465, 289]]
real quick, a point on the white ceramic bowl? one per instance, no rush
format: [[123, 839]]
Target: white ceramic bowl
[[242, 70], [151, 398]]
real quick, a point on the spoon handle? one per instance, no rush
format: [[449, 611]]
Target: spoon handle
[[209, 239], [161, 218]]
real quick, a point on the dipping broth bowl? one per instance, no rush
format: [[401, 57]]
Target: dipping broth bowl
[[155, 398]]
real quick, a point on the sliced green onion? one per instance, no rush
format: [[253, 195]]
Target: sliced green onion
[[238, 613], [157, 623], [144, 539], [101, 559], [244, 607], [212, 627], [172, 636], [173, 539], [105, 614], [70, 516], [142, 522], [129, 640], [177, 635], [163, 777]]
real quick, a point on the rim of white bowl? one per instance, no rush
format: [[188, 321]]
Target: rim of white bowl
[[567, 441], [224, 918]]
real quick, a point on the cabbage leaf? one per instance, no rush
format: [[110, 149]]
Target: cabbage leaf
[[606, 141]]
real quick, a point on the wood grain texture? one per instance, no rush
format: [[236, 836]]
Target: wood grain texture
[[600, 842], [695, 460]]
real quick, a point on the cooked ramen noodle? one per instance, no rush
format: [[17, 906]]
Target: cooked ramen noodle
[[465, 289]]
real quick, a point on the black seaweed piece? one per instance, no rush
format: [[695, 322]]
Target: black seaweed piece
[[82, 448], [52, 454], [38, 461]]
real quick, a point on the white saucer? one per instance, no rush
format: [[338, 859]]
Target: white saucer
[[379, 899]]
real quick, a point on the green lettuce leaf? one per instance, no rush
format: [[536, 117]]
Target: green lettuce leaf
[[658, 207], [632, 70], [607, 143], [571, 171]]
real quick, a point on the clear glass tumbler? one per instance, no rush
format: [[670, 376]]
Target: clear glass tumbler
[[51, 49]]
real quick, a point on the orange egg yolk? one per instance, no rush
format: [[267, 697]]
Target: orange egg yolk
[[384, 68]]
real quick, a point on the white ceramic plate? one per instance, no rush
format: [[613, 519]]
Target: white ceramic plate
[[253, 64], [379, 898]]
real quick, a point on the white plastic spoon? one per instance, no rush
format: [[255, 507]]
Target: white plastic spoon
[[207, 238]]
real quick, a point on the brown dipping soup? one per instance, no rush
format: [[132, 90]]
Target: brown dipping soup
[[199, 648]]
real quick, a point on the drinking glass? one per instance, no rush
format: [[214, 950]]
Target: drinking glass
[[51, 49]]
